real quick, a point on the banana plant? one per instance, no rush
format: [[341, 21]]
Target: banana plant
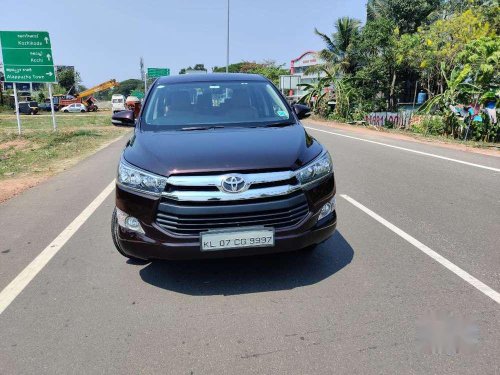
[[458, 90], [316, 91]]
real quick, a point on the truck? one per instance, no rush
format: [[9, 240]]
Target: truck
[[118, 103], [85, 96]]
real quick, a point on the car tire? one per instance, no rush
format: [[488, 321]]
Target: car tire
[[83, 111], [114, 235], [66, 111]]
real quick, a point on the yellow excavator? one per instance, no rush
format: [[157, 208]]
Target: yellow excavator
[[85, 96]]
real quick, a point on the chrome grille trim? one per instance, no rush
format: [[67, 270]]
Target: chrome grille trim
[[251, 191], [250, 178], [204, 196]]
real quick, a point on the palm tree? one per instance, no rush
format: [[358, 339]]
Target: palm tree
[[336, 54]]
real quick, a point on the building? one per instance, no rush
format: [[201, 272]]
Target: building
[[299, 74]]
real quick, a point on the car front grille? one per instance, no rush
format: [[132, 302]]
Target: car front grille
[[191, 218]]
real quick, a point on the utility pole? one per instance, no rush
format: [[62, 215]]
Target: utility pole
[[143, 75], [227, 46]]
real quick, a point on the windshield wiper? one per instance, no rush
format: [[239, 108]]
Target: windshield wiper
[[193, 128], [279, 124]]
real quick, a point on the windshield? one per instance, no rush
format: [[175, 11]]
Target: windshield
[[223, 103]]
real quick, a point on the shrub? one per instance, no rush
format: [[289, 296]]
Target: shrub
[[434, 125]]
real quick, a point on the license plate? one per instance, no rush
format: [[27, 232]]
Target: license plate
[[238, 238]]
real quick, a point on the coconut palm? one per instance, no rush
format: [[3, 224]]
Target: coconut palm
[[336, 54]]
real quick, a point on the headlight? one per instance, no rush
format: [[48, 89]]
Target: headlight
[[138, 179], [315, 170]]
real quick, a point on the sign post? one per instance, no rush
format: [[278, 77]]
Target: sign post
[[52, 107], [16, 103], [27, 57]]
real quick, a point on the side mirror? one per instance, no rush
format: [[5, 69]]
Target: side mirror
[[123, 118], [302, 111]]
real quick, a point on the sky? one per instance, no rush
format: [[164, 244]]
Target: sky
[[104, 39]]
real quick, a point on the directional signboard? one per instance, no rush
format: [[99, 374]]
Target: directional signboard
[[138, 94], [158, 72], [27, 56]]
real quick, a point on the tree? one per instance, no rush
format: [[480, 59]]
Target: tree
[[376, 53], [442, 42], [127, 86], [483, 55], [337, 46], [68, 78], [268, 68], [406, 15], [200, 67]]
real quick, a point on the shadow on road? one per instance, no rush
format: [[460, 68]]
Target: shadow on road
[[251, 274]]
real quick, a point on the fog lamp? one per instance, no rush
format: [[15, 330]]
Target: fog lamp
[[128, 222], [327, 209]]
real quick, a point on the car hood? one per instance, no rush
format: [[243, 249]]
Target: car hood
[[222, 150]]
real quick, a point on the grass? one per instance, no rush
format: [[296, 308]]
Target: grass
[[39, 150]]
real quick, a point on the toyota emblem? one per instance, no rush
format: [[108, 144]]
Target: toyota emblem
[[233, 184]]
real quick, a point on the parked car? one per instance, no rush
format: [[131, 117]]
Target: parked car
[[118, 103], [45, 106], [75, 107], [28, 108], [219, 165]]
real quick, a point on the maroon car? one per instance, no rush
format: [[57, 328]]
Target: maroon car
[[219, 165]]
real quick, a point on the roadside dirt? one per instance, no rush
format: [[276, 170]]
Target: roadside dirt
[[14, 186], [15, 144], [11, 187], [410, 137]]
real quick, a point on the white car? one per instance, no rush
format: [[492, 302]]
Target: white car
[[75, 107]]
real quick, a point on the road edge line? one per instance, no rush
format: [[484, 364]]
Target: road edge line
[[482, 287], [408, 150], [16, 286]]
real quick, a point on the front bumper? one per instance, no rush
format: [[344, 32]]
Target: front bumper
[[158, 243]]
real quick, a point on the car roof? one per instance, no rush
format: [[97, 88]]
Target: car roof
[[185, 78]]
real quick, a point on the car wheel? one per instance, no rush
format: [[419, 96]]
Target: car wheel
[[82, 111], [114, 235], [65, 111]]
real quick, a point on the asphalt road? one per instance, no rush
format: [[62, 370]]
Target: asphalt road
[[375, 298]]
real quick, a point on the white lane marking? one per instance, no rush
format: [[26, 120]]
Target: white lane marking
[[409, 150], [494, 295], [17, 285]]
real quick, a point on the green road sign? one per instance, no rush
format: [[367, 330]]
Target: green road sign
[[138, 94], [25, 39], [27, 56], [15, 73], [158, 72]]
